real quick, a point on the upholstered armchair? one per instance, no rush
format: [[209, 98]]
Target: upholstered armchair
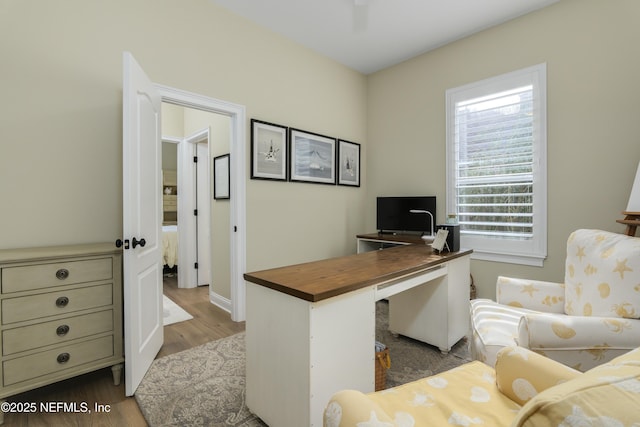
[[589, 319]]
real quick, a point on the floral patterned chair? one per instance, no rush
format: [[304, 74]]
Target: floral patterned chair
[[589, 319], [524, 390]]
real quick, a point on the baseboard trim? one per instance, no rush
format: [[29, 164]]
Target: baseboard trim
[[220, 301]]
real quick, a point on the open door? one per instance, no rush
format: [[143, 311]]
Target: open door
[[194, 210], [203, 205], [142, 210]]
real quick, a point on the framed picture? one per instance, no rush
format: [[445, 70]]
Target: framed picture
[[348, 163], [221, 177], [268, 151], [313, 157]]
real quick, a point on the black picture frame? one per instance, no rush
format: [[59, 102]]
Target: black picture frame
[[348, 167], [221, 177], [312, 157], [269, 151]]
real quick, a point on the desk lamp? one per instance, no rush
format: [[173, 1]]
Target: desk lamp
[[431, 237]]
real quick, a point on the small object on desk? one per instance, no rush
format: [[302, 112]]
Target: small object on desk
[[440, 240], [428, 239], [453, 239], [431, 229]]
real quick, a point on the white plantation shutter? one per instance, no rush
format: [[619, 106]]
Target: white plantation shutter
[[496, 165]]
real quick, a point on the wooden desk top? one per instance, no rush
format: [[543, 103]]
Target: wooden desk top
[[319, 280]]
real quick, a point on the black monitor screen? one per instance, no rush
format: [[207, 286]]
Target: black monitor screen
[[393, 213]]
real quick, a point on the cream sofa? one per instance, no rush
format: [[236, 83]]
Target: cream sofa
[[524, 389], [589, 319]]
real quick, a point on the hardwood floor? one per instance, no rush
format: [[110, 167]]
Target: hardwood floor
[[209, 323]]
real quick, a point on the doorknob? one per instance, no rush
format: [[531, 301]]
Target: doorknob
[[135, 242]]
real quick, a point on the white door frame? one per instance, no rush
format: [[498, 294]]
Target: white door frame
[[237, 150]]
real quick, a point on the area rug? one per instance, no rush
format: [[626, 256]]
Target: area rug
[[412, 359], [173, 313], [205, 385]]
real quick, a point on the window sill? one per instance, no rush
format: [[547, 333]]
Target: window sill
[[532, 260]]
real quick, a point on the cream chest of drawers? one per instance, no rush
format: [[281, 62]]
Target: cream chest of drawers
[[60, 314]]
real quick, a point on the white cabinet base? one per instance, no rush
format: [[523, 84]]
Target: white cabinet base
[[300, 353]]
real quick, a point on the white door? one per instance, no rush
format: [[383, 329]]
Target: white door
[[142, 210], [194, 210], [203, 196]]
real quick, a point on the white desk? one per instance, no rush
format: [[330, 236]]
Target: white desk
[[310, 328]]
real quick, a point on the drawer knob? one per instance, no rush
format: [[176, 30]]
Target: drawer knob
[[62, 302], [62, 330], [63, 357], [62, 274]]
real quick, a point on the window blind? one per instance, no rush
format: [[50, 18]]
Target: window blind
[[494, 186]]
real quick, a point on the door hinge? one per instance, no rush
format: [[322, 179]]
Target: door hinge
[[195, 159], [195, 212], [195, 265], [235, 228]]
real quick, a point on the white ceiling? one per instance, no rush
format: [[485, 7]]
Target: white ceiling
[[369, 35]]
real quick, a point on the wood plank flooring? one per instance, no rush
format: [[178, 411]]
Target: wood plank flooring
[[209, 323]]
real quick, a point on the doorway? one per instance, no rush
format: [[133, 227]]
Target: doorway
[[234, 229], [195, 225]]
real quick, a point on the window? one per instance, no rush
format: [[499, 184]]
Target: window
[[496, 165]]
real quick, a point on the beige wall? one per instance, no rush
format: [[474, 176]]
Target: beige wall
[[593, 112], [61, 132]]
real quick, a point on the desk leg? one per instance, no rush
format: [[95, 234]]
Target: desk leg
[[421, 313], [436, 312]]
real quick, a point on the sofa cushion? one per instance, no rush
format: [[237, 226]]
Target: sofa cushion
[[602, 275], [521, 374], [607, 395], [466, 395]]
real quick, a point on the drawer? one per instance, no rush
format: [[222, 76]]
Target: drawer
[[24, 278], [54, 303], [52, 361], [56, 331]]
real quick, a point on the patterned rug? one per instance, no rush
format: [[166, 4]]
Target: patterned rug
[[412, 359], [205, 385], [202, 386]]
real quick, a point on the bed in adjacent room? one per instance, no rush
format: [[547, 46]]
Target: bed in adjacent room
[[170, 245]]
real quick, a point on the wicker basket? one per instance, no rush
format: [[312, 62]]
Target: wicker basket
[[383, 362]]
